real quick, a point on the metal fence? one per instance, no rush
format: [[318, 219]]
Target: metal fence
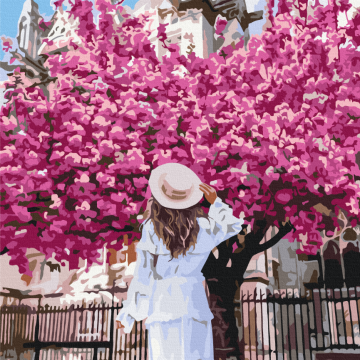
[[291, 325], [285, 325], [17, 325], [58, 333]]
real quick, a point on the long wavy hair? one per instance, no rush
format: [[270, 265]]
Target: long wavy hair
[[178, 229]]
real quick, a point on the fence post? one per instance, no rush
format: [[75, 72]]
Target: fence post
[[95, 356], [37, 327], [111, 344]]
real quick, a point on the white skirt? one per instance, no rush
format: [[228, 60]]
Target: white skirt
[[181, 339]]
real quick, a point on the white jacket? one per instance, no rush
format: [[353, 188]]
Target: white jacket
[[174, 289]]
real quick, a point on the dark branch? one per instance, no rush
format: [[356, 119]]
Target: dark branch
[[284, 229], [4, 65], [268, 244]]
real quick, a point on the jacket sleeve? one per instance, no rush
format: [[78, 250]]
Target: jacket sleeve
[[136, 306], [220, 226]]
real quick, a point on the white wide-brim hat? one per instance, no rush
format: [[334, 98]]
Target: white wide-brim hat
[[175, 186]]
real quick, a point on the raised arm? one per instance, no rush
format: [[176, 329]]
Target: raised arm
[[221, 223]]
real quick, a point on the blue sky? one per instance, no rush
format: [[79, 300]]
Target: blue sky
[[10, 11]]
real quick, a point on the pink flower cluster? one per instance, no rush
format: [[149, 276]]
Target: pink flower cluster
[[7, 43], [274, 130]]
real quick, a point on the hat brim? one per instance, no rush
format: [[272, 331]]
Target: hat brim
[[187, 175]]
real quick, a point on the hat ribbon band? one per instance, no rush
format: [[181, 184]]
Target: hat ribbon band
[[174, 197]]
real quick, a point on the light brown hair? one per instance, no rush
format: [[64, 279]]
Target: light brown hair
[[178, 229]]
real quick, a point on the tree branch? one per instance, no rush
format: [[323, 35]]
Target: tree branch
[[27, 61], [45, 82], [4, 65], [268, 244], [38, 68]]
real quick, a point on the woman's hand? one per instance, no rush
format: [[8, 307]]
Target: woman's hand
[[210, 192]]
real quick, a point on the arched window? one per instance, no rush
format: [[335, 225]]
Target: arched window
[[332, 261]]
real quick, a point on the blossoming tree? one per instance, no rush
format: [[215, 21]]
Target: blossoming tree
[[274, 129]]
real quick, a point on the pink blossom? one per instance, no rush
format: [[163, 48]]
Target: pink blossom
[[220, 25], [58, 3], [6, 44], [272, 129], [21, 212], [284, 196]]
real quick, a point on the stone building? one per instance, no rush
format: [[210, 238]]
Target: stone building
[[29, 34], [188, 29], [191, 25], [55, 284], [63, 31]]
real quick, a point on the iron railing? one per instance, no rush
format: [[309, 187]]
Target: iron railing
[[284, 325], [87, 332], [291, 325]]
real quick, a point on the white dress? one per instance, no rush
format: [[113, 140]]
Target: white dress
[[171, 295]]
